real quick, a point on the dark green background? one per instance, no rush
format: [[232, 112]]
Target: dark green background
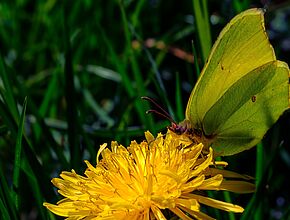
[[83, 80]]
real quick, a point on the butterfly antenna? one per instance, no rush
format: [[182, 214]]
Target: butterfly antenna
[[163, 113]]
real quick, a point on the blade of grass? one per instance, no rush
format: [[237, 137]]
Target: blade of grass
[[228, 199], [202, 26], [141, 91], [158, 82], [260, 190], [46, 132], [48, 96], [178, 99], [102, 72], [127, 82], [196, 64], [6, 198], [133, 131], [51, 143], [35, 186], [120, 66], [159, 85], [4, 211], [135, 16], [75, 151], [50, 93], [215, 211], [7, 93], [241, 5], [3, 129], [29, 155], [136, 71], [17, 159], [259, 175], [8, 118], [97, 109], [6, 113], [36, 172], [28, 150], [130, 131]]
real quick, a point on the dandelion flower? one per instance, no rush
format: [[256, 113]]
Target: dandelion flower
[[144, 180]]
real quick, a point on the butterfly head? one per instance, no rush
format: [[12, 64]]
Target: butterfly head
[[181, 128], [196, 135]]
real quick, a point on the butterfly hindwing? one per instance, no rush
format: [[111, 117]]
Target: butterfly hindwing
[[239, 120]]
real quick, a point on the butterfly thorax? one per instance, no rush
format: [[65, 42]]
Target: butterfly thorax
[[197, 135]]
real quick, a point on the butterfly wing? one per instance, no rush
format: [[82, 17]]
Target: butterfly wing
[[241, 48], [241, 117]]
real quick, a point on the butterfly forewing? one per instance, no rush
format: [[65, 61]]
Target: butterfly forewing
[[241, 47], [242, 89]]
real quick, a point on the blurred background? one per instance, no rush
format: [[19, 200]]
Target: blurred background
[[71, 77]]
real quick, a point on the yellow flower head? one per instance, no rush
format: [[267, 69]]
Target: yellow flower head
[[143, 180]]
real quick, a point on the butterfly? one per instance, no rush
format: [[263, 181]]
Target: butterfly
[[242, 90]]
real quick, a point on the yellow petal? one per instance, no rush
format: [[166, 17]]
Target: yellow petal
[[157, 213], [149, 137], [102, 147], [180, 214], [237, 186], [228, 174], [219, 204], [212, 183]]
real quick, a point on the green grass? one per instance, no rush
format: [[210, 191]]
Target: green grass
[[72, 78]]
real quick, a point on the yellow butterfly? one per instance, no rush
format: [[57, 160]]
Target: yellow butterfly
[[242, 90]]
